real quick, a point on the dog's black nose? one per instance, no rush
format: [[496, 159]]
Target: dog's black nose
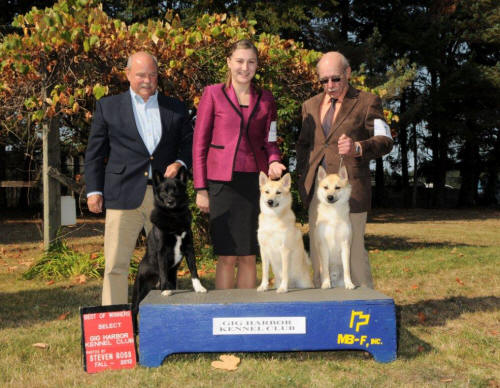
[[270, 202], [330, 198]]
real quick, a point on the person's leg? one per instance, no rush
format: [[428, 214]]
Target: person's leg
[[247, 272], [224, 272], [361, 274], [120, 236]]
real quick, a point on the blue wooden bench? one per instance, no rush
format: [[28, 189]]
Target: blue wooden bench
[[251, 321]]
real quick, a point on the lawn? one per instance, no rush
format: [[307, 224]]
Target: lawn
[[442, 268]]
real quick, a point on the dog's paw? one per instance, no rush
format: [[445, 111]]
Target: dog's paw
[[263, 287], [166, 293], [198, 287], [349, 285], [326, 284], [282, 290]]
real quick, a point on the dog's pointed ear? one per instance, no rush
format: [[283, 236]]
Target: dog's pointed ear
[[286, 180], [321, 173], [343, 173], [157, 177], [182, 175], [262, 178]]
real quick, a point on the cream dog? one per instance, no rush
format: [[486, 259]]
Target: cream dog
[[279, 237], [330, 228]]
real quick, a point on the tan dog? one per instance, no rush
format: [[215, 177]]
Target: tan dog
[[279, 237], [330, 229]]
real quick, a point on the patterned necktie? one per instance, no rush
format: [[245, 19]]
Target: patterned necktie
[[327, 120]]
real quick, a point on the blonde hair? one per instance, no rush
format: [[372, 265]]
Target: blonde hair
[[245, 44]]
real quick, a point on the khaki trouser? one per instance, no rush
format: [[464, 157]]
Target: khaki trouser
[[122, 228], [361, 274]]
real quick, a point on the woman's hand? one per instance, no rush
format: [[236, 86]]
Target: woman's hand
[[202, 201], [275, 170]]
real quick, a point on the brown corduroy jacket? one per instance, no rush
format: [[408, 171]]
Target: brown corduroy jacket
[[355, 118]]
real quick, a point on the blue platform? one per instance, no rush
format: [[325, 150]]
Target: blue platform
[[251, 321]]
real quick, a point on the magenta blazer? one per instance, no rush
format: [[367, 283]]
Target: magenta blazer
[[219, 128]]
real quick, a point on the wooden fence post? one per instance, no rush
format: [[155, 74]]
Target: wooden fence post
[[51, 187]]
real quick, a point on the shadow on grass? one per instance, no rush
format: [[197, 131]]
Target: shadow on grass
[[27, 308], [403, 244], [429, 215], [436, 312]]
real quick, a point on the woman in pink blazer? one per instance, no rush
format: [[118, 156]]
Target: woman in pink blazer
[[235, 139]]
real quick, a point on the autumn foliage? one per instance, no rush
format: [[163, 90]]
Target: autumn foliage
[[72, 54]]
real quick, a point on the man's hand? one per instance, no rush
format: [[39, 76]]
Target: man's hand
[[172, 170], [202, 201], [347, 146], [275, 170], [94, 202]]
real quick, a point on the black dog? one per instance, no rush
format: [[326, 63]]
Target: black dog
[[168, 241]]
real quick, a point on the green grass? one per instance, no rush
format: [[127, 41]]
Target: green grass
[[443, 278]]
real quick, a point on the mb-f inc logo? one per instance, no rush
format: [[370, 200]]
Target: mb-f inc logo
[[358, 319]]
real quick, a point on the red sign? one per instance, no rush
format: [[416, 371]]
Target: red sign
[[107, 338]]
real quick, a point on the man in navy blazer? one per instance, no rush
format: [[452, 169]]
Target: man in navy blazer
[[132, 134]]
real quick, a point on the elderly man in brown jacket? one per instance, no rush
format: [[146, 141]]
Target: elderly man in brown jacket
[[342, 125]]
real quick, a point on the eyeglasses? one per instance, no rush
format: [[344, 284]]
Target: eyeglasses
[[324, 81]]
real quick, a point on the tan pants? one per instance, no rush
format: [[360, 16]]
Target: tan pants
[[122, 228], [361, 274]]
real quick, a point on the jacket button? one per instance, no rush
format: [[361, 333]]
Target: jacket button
[[151, 157], [146, 173]]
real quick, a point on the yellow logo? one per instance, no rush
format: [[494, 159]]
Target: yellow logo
[[360, 319]]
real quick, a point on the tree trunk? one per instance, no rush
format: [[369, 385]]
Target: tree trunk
[[403, 144], [379, 183], [469, 168]]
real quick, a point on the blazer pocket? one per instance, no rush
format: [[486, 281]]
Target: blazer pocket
[[220, 147]]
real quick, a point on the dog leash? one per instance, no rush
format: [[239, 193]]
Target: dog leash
[[341, 161]]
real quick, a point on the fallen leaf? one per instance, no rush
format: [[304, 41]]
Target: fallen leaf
[[94, 256], [40, 345], [446, 380], [454, 250], [420, 348], [414, 286], [460, 282], [375, 251], [421, 317], [397, 290], [50, 282], [63, 316], [228, 362], [212, 270], [80, 279], [406, 269], [494, 332]]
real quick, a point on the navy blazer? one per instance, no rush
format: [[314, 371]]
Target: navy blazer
[[117, 160]]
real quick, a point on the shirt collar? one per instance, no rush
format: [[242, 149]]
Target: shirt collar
[[139, 99]]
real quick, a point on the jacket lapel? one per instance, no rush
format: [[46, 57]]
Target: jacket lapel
[[127, 112], [233, 100], [316, 109], [350, 101]]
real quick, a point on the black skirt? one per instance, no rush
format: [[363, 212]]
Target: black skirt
[[234, 212]]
